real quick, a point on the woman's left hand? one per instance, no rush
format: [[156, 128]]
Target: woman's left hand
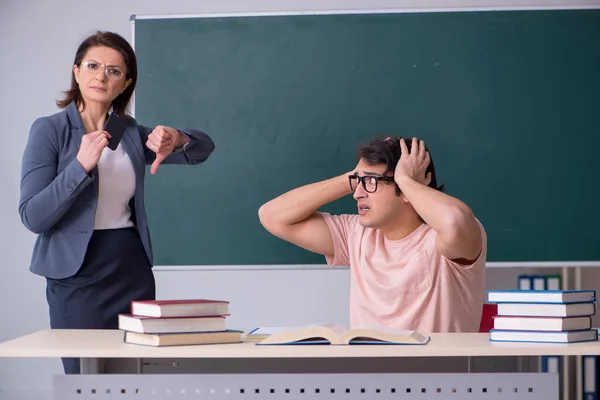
[[162, 141]]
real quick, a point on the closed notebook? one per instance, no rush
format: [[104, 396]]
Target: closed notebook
[[182, 339], [547, 310], [135, 323], [541, 296], [336, 334], [544, 337], [526, 323], [180, 308]]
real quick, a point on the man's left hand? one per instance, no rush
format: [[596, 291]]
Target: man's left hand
[[413, 164]]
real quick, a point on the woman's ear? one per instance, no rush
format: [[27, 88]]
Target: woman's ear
[[76, 73], [126, 85]]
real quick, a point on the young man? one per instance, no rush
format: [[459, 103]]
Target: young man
[[416, 255]]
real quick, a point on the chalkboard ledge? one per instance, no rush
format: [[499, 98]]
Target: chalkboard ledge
[[312, 267]]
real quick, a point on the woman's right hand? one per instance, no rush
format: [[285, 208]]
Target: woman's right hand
[[92, 145]]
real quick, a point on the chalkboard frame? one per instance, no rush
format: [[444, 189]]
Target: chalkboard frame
[[558, 263]]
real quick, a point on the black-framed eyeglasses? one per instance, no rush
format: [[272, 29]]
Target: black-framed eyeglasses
[[369, 182]]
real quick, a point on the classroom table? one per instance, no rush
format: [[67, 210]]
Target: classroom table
[[250, 382]]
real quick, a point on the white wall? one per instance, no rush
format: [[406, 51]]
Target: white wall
[[37, 44]]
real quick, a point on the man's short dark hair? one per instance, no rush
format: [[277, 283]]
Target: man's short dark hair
[[386, 151]]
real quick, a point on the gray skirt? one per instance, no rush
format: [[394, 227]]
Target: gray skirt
[[115, 272]]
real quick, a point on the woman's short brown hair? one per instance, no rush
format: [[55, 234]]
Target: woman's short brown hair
[[114, 41]]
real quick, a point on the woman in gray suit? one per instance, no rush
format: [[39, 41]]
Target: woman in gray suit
[[85, 201]]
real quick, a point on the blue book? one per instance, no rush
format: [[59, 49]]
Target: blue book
[[547, 309], [589, 377], [551, 364], [541, 296], [524, 282], [587, 335]]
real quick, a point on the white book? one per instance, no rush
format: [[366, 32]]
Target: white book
[[547, 310], [526, 323], [544, 337], [134, 323], [541, 296]]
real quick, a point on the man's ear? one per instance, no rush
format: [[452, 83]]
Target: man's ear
[[404, 198]]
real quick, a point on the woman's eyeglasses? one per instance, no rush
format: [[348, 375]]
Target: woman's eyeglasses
[[93, 67]]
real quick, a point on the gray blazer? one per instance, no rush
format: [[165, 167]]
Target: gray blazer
[[58, 199]]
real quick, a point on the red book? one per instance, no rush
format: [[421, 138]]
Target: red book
[[180, 308], [487, 317]]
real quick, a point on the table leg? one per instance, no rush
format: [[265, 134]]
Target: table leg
[[91, 366]]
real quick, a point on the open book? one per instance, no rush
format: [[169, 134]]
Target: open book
[[338, 335]]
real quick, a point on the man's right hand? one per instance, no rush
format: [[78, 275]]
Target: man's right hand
[[92, 145]]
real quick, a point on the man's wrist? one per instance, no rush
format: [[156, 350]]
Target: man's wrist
[[345, 182], [404, 180]]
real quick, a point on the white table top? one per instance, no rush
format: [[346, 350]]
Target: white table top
[[109, 344]]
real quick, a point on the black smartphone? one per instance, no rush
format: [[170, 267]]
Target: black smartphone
[[115, 126]]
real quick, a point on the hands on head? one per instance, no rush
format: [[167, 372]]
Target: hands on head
[[413, 163]]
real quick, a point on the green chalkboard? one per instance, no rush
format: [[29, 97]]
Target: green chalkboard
[[508, 102]]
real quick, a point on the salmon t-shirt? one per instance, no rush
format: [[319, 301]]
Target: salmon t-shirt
[[407, 283]]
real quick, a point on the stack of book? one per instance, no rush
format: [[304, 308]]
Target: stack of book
[[178, 322], [551, 316]]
